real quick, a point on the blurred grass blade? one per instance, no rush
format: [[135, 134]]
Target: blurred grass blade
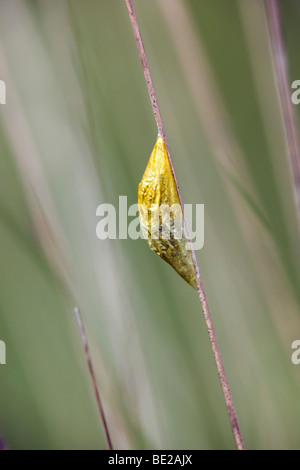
[[284, 92]]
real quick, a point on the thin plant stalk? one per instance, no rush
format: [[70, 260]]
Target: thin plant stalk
[[93, 378], [3, 445], [284, 91], [201, 291]]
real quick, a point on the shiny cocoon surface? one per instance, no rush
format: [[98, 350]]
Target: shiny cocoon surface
[[161, 215]]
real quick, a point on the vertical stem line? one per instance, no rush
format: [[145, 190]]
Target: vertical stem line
[[3, 445], [284, 90], [93, 378], [146, 70], [201, 291]]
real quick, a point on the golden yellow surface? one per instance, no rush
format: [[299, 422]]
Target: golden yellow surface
[[161, 226]]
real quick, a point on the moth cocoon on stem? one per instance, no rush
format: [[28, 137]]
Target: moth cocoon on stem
[[161, 216]]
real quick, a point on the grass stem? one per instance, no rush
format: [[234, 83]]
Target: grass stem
[[3, 445], [93, 378], [201, 291]]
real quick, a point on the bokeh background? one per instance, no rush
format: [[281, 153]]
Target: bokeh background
[[76, 132]]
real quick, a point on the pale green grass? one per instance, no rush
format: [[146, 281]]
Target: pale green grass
[[77, 131]]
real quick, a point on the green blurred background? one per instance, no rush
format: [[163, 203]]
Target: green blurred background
[[76, 132]]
